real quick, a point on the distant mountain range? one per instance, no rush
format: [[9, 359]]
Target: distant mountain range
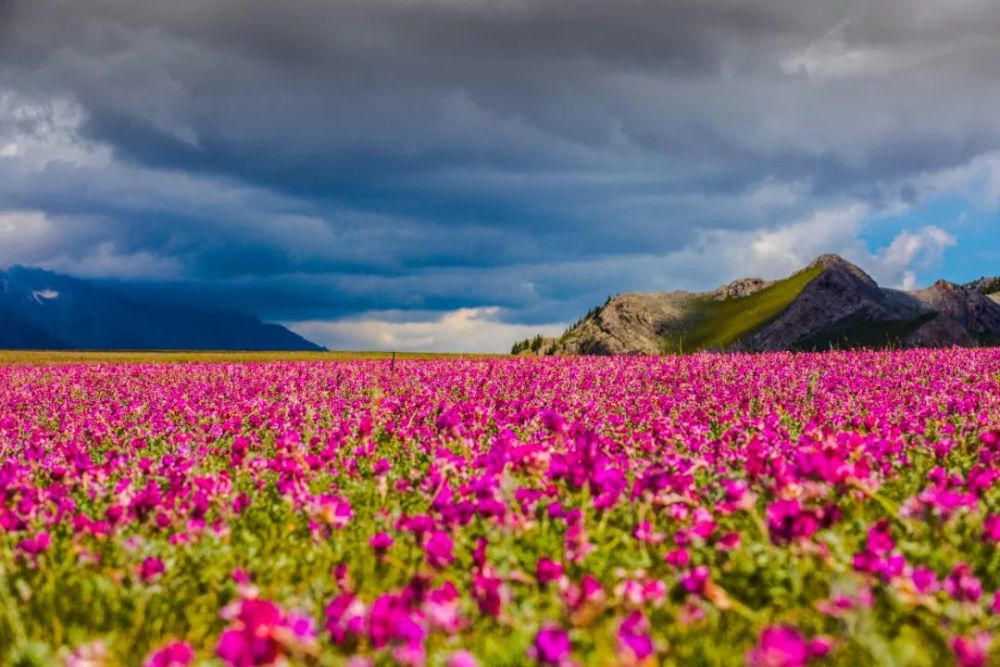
[[44, 310], [829, 303]]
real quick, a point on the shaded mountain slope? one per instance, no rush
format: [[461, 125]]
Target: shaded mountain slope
[[44, 310]]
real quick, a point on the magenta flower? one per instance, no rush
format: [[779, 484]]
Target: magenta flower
[[547, 570], [490, 594], [442, 608], [174, 654], [924, 580], [678, 558], [973, 651], [380, 543], [991, 528], [784, 646], [551, 646], [696, 580], [151, 568], [240, 576], [260, 633], [335, 511], [880, 540], [963, 585], [345, 618], [633, 637], [788, 521], [438, 550], [36, 545]]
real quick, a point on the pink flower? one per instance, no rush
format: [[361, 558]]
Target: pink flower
[[439, 550], [547, 570], [551, 646], [728, 541], [345, 618], [924, 579], [644, 533], [260, 633], [151, 568], [588, 592], [335, 511], [784, 646], [696, 580], [703, 523], [490, 594], [37, 545], [973, 651], [633, 637], [380, 543], [880, 538], [678, 557], [462, 659], [174, 654], [441, 608], [240, 576], [991, 528], [788, 521], [963, 585]]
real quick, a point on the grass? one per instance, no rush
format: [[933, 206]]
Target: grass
[[200, 356], [712, 324]]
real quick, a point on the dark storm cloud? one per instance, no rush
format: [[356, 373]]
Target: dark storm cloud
[[310, 159]]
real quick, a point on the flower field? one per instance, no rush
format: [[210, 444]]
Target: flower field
[[772, 510]]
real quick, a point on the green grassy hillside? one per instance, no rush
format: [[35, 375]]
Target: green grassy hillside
[[714, 324]]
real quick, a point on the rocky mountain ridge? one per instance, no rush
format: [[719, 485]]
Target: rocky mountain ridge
[[829, 303]]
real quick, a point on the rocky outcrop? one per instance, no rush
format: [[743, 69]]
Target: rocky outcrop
[[741, 288], [629, 323], [959, 308], [834, 304], [988, 285]]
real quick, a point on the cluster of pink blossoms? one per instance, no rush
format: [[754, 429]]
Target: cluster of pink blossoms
[[775, 510]]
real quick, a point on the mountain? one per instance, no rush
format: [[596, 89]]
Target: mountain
[[988, 285], [829, 303], [44, 310]]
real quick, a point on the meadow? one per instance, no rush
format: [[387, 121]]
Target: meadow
[[772, 510]]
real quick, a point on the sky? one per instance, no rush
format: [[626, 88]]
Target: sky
[[457, 174]]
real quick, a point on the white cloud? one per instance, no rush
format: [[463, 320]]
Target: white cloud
[[977, 181], [77, 246], [25, 236], [39, 132], [722, 255], [462, 330], [897, 263]]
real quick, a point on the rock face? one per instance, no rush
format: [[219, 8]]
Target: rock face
[[841, 293], [962, 309], [44, 310], [741, 288], [629, 323], [829, 303], [988, 285]]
